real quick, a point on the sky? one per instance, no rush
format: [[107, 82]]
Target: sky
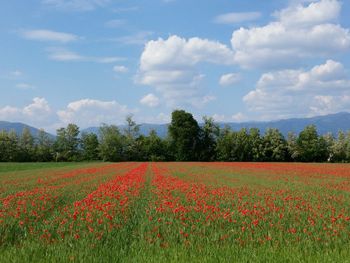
[[96, 61]]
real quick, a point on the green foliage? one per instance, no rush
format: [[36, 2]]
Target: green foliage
[[312, 147], [208, 137], [26, 146], [236, 146], [111, 143], [184, 132], [274, 146], [89, 146], [186, 141], [44, 147], [67, 143]]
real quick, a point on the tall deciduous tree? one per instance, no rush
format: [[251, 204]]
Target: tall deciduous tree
[[274, 146], [209, 133], [44, 147], [67, 143], [111, 143], [26, 146], [184, 133], [312, 147], [89, 146], [255, 145]]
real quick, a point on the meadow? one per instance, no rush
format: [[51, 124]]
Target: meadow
[[174, 212]]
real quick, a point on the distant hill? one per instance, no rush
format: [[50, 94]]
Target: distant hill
[[327, 123], [18, 128]]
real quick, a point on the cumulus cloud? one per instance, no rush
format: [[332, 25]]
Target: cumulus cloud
[[90, 112], [75, 5], [48, 35], [150, 100], [229, 79], [36, 113], [300, 31], [234, 18], [315, 13], [169, 65], [282, 94]]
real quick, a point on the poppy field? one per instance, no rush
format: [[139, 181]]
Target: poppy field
[[175, 212]]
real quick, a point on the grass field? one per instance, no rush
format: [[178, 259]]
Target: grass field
[[174, 212]]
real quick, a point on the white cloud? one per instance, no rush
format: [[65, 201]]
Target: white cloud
[[235, 18], [219, 117], [16, 73], [36, 113], [120, 69], [139, 38], [229, 79], [61, 54], [115, 23], [25, 86], [64, 55], [48, 35], [90, 112], [126, 9], [170, 67], [281, 94], [238, 117], [299, 32], [161, 118], [315, 13], [75, 5], [150, 100]]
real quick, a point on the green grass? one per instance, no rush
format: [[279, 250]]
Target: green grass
[[15, 167], [141, 233]]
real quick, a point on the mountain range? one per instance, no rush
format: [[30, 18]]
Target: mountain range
[[327, 123]]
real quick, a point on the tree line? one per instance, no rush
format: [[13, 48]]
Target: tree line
[[186, 141]]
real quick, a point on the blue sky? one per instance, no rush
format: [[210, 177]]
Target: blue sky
[[96, 61]]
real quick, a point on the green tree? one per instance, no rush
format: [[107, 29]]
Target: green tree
[[225, 147], [13, 147], [329, 141], [44, 147], [347, 146], [312, 147], [89, 146], [209, 133], [184, 134], [67, 143], [4, 146], [26, 146], [256, 145], [234, 146], [292, 146], [111, 143], [154, 148], [274, 146], [132, 146], [338, 149]]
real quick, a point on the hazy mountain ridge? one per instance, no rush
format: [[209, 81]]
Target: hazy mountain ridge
[[327, 123], [18, 128]]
